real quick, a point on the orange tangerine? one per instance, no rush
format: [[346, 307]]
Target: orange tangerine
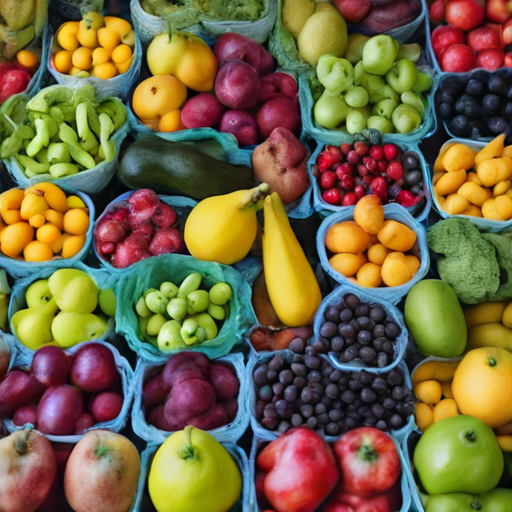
[[27, 58], [121, 54], [37, 251], [171, 122], [48, 233], [63, 61], [108, 38], [72, 245], [76, 222]]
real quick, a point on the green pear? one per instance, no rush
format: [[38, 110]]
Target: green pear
[[74, 291], [141, 308], [108, 302], [155, 323], [143, 324], [295, 13], [169, 337], [33, 326], [38, 294], [70, 328]]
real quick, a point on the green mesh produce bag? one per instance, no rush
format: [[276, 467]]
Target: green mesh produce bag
[[151, 272]]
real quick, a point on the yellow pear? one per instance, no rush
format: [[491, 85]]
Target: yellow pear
[[295, 13], [325, 32], [223, 228], [291, 283]]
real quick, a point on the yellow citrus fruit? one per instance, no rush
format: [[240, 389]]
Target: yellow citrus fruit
[[76, 222], [82, 58], [14, 238], [48, 233], [121, 54], [108, 38], [37, 251], [87, 37], [171, 122], [72, 245], [158, 95], [67, 36], [63, 61], [105, 71], [482, 385], [27, 58], [100, 56], [347, 236], [125, 66]]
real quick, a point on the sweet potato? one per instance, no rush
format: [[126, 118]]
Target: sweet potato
[[224, 381], [214, 418], [155, 391], [391, 15], [231, 408], [185, 365], [263, 338]]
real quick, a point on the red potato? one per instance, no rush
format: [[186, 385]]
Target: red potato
[[214, 418], [184, 366], [491, 59], [59, 409], [165, 216], [167, 241], [444, 36], [188, 398], [94, 368], [105, 249], [396, 14], [16, 390], [278, 113], [122, 215], [51, 366], [25, 414], [224, 381], [231, 408], [465, 14], [202, 111], [237, 85], [84, 422], [279, 84], [155, 391], [458, 58], [484, 38], [241, 125], [232, 46], [107, 406], [353, 10]]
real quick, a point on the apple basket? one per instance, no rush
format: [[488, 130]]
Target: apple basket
[[229, 433], [23, 359], [151, 272]]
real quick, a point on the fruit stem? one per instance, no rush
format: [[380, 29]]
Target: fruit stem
[[491, 362], [470, 436], [21, 443], [476, 505], [254, 196], [101, 451], [368, 453], [186, 451]]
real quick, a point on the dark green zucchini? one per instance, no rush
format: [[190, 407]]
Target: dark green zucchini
[[176, 168]]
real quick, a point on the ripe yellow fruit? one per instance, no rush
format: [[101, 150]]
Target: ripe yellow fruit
[[122, 27], [87, 37], [33, 204], [121, 54], [171, 122], [66, 36], [27, 58], [37, 251], [37, 220], [105, 71], [125, 66], [72, 245], [82, 58], [445, 409], [63, 61], [57, 244], [48, 233], [55, 218], [108, 38], [100, 56], [429, 391], [14, 238], [76, 222], [424, 416]]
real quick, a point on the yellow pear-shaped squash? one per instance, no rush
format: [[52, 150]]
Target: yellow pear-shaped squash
[[223, 228], [291, 282], [193, 472]]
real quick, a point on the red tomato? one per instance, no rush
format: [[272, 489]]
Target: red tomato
[[368, 461]]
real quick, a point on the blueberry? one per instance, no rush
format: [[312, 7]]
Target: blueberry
[[491, 102], [413, 177], [460, 125], [410, 160], [507, 111], [475, 133], [481, 76], [497, 84], [447, 98], [497, 125], [509, 93], [474, 87], [453, 84], [445, 110]]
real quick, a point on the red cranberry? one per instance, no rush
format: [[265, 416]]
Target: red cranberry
[[345, 148], [344, 169], [328, 180], [353, 157], [361, 148], [359, 191], [395, 170], [390, 151], [332, 196], [376, 152], [350, 199], [347, 182]]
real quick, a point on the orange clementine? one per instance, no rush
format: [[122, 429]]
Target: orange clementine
[[157, 96], [171, 122], [482, 385], [346, 236]]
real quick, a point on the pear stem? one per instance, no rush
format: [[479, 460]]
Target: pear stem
[[186, 451], [252, 196]]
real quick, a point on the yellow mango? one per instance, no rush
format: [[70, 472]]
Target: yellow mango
[[486, 312], [429, 391], [504, 206], [474, 193], [450, 182], [446, 408], [472, 177], [472, 211], [458, 157], [438, 164], [423, 416], [506, 318], [489, 335], [489, 210], [505, 442], [447, 389], [437, 370], [493, 150], [507, 152], [493, 171], [455, 204]]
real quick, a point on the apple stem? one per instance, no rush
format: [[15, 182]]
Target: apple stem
[[368, 453], [476, 505], [491, 362], [21, 443], [186, 451], [101, 451], [470, 436]]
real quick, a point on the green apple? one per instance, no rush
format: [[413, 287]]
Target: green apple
[[384, 108], [423, 83], [412, 99], [38, 294], [169, 337], [74, 291], [379, 53], [70, 328], [170, 290], [33, 326], [406, 118], [356, 96], [155, 323], [330, 111], [385, 93], [409, 51], [355, 45], [141, 308], [372, 83], [402, 76], [107, 301], [380, 123], [143, 324], [335, 74], [157, 302], [356, 122], [458, 454], [359, 73]]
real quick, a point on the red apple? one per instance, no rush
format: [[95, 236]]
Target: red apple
[[496, 11], [437, 11], [490, 59], [458, 58], [444, 36], [483, 38], [465, 14], [506, 33], [27, 470], [353, 10]]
